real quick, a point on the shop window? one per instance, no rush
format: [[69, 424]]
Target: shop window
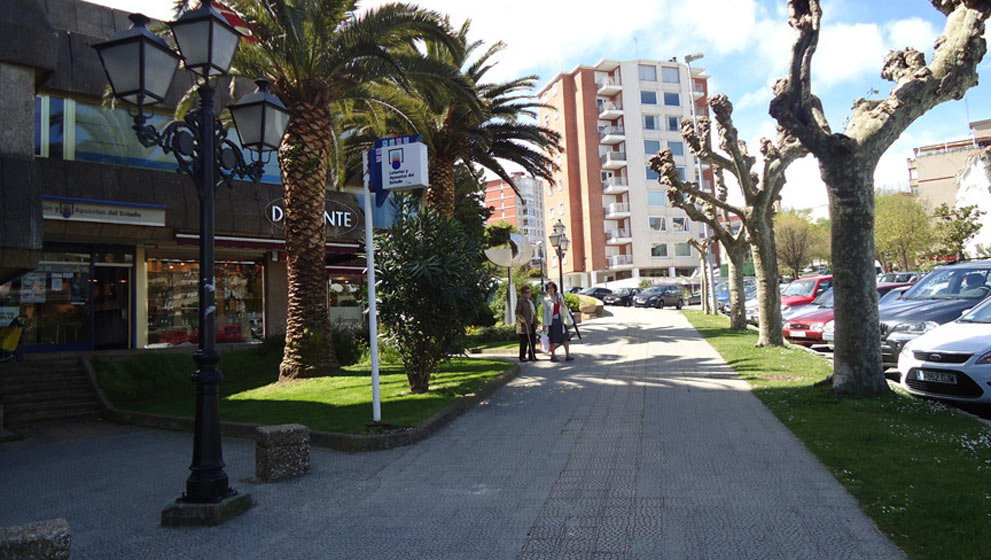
[[56, 127], [53, 302], [342, 299], [173, 302]]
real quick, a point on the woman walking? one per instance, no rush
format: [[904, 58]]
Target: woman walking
[[526, 324], [557, 320]]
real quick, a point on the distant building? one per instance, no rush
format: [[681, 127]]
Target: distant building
[[612, 117], [933, 168], [526, 212]]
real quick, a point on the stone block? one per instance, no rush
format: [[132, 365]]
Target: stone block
[[41, 540], [183, 514], [282, 452]]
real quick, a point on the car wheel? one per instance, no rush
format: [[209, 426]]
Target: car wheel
[[627, 304], [679, 305], [660, 304]]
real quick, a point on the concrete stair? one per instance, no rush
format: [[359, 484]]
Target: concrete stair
[[46, 390]]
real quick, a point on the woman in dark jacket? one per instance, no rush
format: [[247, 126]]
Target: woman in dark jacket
[[526, 324]]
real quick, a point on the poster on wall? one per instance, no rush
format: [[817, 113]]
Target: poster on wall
[[56, 281], [7, 314], [33, 287]]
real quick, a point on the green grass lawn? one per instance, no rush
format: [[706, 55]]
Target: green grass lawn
[[496, 344], [921, 470], [342, 403]]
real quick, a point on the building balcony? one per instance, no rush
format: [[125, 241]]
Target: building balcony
[[612, 135], [698, 91], [617, 211], [608, 86], [615, 185], [610, 110], [620, 261], [618, 237], [613, 160]]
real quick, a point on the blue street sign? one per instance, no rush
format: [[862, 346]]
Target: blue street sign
[[375, 163]]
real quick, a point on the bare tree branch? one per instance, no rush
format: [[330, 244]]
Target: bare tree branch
[[794, 106], [730, 142], [700, 143], [663, 165]]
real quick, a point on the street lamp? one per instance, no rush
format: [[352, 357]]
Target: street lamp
[[559, 240], [540, 262], [140, 67], [711, 292]]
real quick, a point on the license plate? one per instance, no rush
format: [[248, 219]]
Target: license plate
[[937, 377], [827, 336], [797, 334]]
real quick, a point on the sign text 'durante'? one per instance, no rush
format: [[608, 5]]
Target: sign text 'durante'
[[339, 219]]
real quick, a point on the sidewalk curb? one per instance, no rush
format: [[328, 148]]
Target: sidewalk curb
[[330, 440]]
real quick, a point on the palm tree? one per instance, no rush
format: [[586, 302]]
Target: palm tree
[[455, 131], [323, 61]]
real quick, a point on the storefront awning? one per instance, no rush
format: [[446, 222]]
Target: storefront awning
[[263, 243]]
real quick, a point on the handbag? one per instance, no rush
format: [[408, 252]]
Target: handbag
[[545, 344]]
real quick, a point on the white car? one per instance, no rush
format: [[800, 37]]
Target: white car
[[952, 361]]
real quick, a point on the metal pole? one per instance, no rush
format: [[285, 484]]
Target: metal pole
[[713, 302], [208, 482], [373, 342], [560, 272], [540, 256]]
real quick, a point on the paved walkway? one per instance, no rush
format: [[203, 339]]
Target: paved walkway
[[646, 446]]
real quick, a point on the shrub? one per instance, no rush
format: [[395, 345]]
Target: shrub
[[434, 279]]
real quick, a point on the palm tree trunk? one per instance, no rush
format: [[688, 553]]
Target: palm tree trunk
[[440, 195], [303, 160]]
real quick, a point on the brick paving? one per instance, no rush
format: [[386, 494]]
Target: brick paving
[[646, 446]]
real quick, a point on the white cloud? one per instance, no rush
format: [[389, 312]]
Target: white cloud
[[846, 52], [912, 32]]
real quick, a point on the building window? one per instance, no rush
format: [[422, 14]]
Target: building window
[[670, 75], [656, 198], [651, 147], [682, 250], [651, 174], [560, 209], [681, 171], [672, 99], [677, 148], [648, 97], [551, 213], [681, 225], [657, 223], [674, 124], [648, 72], [650, 122], [560, 186], [659, 250]]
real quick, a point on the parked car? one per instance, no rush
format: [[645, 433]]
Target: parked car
[[808, 328], [803, 292], [576, 290], [893, 295], [597, 293], [695, 299], [749, 292], [722, 291], [899, 277], [622, 296], [659, 296], [952, 361], [938, 298]]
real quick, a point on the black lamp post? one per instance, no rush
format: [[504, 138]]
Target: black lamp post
[[540, 262], [559, 240], [140, 67]]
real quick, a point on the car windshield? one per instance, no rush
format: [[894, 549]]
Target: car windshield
[[825, 299], [800, 288], [892, 295], [652, 291], [952, 283], [622, 292], [979, 314], [722, 288]]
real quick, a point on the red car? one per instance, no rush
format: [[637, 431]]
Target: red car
[[804, 290], [806, 328]]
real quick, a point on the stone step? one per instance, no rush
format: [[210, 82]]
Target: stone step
[[42, 376], [49, 394], [69, 412]]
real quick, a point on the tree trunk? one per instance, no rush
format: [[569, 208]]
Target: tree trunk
[[857, 365], [737, 314], [440, 195], [303, 161], [768, 295]]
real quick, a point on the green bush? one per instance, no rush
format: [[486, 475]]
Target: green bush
[[434, 279], [350, 343]]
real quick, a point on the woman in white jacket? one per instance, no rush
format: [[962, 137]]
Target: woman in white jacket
[[557, 321]]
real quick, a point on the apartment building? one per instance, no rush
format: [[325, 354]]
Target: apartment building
[[612, 117], [933, 169], [525, 211]]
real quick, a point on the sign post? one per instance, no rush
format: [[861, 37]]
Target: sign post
[[403, 168]]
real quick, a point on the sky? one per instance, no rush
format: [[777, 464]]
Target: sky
[[746, 45]]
